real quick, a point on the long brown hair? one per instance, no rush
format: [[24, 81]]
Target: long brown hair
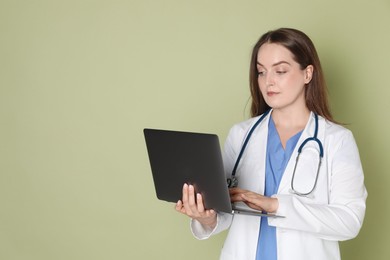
[[304, 53]]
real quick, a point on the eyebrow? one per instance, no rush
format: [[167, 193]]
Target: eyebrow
[[275, 64]]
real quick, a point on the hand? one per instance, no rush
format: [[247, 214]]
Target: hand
[[195, 208], [254, 200]]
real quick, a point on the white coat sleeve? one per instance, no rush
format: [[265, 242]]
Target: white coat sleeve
[[200, 232], [342, 217]]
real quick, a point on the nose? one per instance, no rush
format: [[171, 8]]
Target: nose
[[269, 80]]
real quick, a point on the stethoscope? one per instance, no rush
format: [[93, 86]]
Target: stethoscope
[[233, 181]]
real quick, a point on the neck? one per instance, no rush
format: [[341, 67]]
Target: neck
[[288, 119]]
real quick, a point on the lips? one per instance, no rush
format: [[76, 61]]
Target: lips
[[271, 93]]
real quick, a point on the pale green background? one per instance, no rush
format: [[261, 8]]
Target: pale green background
[[79, 80]]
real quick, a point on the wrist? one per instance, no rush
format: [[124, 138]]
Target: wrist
[[274, 205], [209, 223]]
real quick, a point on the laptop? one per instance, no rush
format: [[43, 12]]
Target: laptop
[[178, 157]]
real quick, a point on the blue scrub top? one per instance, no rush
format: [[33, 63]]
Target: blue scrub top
[[276, 162]]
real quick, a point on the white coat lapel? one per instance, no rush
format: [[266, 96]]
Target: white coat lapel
[[253, 161]]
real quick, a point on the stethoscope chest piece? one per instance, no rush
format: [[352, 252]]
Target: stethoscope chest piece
[[232, 182]]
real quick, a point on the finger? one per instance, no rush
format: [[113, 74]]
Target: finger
[[212, 212], [248, 197], [191, 199], [254, 206], [234, 191], [185, 194], [191, 195], [178, 205], [252, 202], [180, 208], [186, 199], [237, 191], [236, 197], [200, 205], [253, 197], [202, 211]]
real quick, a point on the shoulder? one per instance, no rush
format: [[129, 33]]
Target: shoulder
[[338, 137], [239, 131], [336, 130], [242, 128]]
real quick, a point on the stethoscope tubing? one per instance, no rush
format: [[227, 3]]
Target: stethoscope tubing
[[232, 182], [247, 140]]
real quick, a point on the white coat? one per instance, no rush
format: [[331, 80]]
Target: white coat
[[313, 225]]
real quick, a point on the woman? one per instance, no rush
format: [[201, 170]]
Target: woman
[[320, 204]]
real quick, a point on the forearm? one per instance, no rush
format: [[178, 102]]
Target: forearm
[[331, 221]]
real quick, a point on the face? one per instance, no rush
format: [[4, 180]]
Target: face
[[281, 80]]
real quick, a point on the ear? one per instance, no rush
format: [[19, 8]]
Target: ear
[[308, 73]]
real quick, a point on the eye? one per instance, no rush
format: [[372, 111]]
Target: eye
[[260, 73], [280, 72]]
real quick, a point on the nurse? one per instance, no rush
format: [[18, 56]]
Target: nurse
[[286, 79]]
